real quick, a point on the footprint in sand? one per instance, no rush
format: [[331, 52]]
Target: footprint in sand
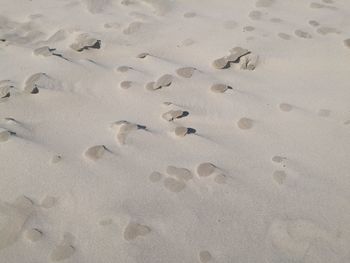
[[85, 42], [220, 179], [324, 30], [230, 24], [255, 15], [285, 107], [284, 36], [124, 128], [35, 81], [126, 84], [249, 62], [64, 249], [174, 185], [135, 230], [248, 29], [143, 55], [185, 72], [347, 42], [34, 234], [183, 131], [314, 23], [155, 177], [13, 217], [5, 90], [95, 152], [4, 135], [179, 173], [295, 238], [206, 169], [205, 256], [279, 176], [264, 3], [278, 159], [174, 114], [48, 202], [56, 159], [245, 123], [133, 27], [123, 69], [190, 14], [302, 34], [219, 88]]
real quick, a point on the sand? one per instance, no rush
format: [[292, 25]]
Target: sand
[[177, 131]]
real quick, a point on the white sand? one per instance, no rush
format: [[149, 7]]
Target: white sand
[[177, 131]]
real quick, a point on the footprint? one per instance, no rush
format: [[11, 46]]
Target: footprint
[[245, 123], [205, 169], [220, 179], [324, 30], [163, 81], [264, 3], [135, 230], [95, 152], [230, 24], [205, 256], [174, 114], [285, 107], [4, 135], [220, 63], [5, 90], [48, 202], [236, 54], [33, 83], [248, 28], [133, 27], [143, 55], [124, 128], [190, 14], [126, 84], [294, 238], [314, 23], [64, 250], [185, 72], [255, 15], [179, 173], [44, 51], [276, 20], [34, 234], [278, 159], [302, 34], [155, 177], [219, 88], [279, 176], [123, 69], [183, 131], [85, 42], [249, 62], [347, 42], [105, 222], [55, 159], [13, 216], [174, 185], [284, 36]]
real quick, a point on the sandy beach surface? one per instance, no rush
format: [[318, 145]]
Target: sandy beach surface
[[175, 131]]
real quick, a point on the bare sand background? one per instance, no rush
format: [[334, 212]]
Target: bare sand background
[[177, 131]]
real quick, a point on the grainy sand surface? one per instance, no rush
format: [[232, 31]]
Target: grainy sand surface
[[174, 131]]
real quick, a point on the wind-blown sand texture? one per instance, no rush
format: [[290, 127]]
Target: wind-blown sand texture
[[174, 131]]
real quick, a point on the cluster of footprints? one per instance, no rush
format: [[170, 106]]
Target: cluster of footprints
[[176, 177], [14, 216]]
